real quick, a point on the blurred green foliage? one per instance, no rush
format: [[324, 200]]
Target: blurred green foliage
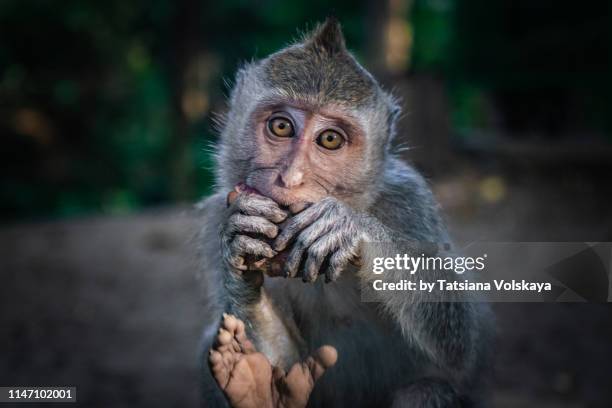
[[91, 114], [106, 106], [543, 66]]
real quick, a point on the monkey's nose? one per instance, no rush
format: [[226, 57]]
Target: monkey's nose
[[291, 178]]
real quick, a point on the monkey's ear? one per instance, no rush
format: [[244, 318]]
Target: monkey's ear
[[328, 37]]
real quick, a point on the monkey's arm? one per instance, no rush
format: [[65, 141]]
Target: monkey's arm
[[229, 239]]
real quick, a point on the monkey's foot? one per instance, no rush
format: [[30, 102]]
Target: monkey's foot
[[250, 381]]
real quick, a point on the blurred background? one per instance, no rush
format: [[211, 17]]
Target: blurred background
[[106, 118]]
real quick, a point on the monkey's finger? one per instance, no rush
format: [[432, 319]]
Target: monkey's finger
[[294, 226], [293, 260], [243, 244], [338, 262], [230, 256], [312, 268], [304, 241], [238, 223], [255, 204], [299, 206], [317, 253], [240, 188]]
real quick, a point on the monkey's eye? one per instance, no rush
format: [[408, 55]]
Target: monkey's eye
[[330, 140], [280, 127]]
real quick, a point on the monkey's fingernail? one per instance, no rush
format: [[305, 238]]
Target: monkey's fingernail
[[245, 188], [231, 197], [297, 207]]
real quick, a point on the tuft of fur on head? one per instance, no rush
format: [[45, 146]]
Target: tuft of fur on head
[[320, 72], [327, 37]]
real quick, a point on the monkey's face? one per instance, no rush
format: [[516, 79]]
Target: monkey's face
[[303, 154], [308, 122]]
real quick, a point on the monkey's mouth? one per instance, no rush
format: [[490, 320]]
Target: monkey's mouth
[[285, 200]]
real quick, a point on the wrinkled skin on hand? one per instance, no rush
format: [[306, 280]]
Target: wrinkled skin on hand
[[325, 237], [251, 225]]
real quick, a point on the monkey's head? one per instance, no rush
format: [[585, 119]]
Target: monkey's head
[[307, 122]]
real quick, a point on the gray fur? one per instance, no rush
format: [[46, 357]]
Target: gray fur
[[402, 350]]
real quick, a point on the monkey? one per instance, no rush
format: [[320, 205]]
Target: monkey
[[306, 168]]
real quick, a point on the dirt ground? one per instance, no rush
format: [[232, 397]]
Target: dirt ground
[[112, 305]]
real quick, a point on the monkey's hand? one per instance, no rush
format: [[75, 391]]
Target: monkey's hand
[[325, 231], [249, 215]]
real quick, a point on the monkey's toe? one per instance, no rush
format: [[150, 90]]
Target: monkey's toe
[[221, 364], [237, 332], [244, 378], [294, 388], [325, 357]]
